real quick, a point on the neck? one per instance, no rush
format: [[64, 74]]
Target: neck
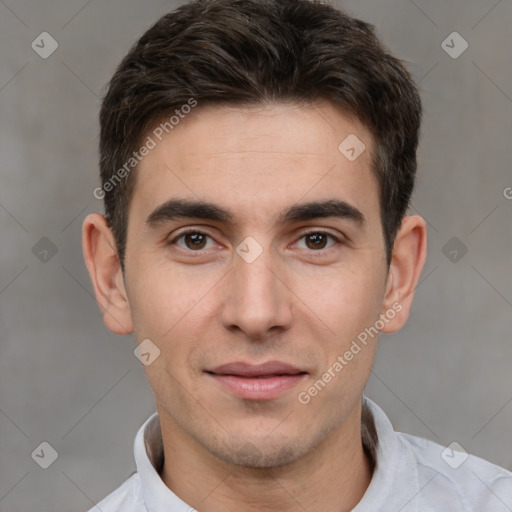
[[331, 478]]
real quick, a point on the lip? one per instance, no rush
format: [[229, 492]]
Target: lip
[[265, 381]]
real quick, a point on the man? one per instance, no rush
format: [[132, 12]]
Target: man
[[257, 160]]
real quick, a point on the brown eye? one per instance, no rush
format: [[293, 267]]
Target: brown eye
[[192, 241], [316, 241], [195, 240]]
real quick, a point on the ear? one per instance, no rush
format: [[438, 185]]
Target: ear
[[409, 253], [104, 267]]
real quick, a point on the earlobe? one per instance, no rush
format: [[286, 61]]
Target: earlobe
[[104, 268], [409, 254]]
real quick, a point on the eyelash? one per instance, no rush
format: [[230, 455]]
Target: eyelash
[[312, 232]]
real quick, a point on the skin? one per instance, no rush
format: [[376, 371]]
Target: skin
[[295, 303]]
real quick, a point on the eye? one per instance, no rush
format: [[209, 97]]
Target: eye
[[192, 240], [318, 240]]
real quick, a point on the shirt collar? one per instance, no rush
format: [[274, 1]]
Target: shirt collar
[[378, 436], [388, 477], [148, 451]]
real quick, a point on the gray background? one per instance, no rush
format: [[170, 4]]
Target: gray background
[[66, 380]]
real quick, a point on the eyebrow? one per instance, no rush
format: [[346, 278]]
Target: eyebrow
[[185, 209]]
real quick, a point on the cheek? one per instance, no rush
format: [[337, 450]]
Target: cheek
[[163, 299], [346, 300], [167, 308], [174, 309], [350, 306]]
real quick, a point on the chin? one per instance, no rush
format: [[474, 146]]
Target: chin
[[261, 453]]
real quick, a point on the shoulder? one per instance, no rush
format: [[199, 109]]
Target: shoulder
[[126, 498], [450, 476]]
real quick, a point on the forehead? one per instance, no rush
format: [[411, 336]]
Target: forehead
[[257, 160]]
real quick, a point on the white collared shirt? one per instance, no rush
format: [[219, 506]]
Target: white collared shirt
[[411, 474]]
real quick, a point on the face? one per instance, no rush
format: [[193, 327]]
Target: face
[[275, 278]]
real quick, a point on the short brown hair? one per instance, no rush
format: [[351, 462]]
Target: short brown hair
[[245, 52]]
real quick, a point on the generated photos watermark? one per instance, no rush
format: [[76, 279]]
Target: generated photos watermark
[[343, 360], [150, 143]]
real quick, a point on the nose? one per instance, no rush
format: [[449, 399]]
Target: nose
[[258, 301]]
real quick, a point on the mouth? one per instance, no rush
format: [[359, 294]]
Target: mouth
[[257, 382]]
